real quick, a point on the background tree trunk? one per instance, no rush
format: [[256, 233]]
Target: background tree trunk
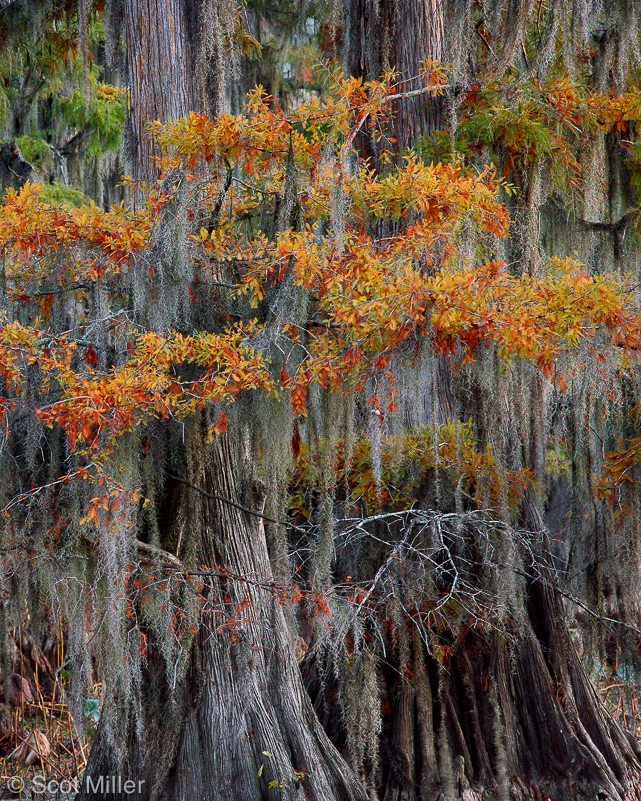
[[504, 713], [401, 36], [160, 40]]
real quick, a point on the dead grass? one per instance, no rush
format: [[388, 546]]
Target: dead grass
[[55, 775], [623, 700]]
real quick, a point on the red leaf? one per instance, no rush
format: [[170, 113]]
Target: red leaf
[[90, 355]]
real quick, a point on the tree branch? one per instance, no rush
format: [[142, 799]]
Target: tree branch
[[145, 546], [424, 90], [611, 227]]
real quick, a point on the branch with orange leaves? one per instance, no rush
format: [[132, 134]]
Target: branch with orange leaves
[[433, 89]]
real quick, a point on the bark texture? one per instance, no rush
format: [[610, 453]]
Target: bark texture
[[401, 36], [506, 715], [241, 719], [160, 39]]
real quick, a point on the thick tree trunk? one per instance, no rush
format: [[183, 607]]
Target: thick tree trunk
[[507, 715], [160, 42], [241, 719], [401, 36], [238, 725]]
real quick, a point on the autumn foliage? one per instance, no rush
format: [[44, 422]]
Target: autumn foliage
[[366, 295]]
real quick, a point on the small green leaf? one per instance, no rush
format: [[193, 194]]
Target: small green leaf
[[92, 709]]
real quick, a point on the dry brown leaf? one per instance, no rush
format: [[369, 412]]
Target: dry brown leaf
[[27, 753]]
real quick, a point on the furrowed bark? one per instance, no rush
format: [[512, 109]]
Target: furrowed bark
[[241, 719]]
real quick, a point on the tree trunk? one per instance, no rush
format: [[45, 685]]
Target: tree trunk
[[240, 720], [238, 723], [511, 712], [399, 36], [160, 38], [506, 715]]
